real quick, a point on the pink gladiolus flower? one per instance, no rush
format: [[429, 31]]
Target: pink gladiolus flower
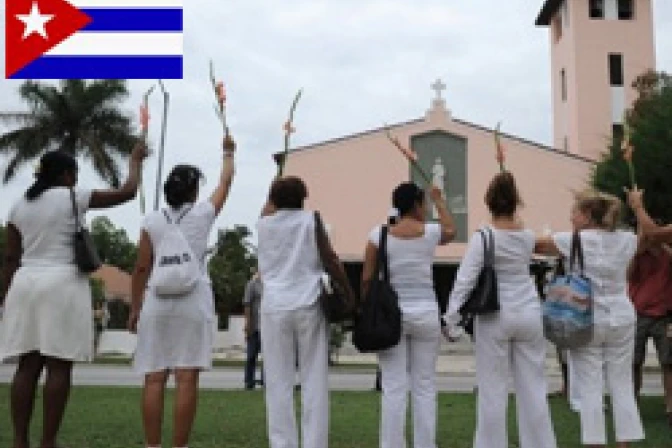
[[289, 129], [220, 91], [144, 117], [500, 153], [627, 152]]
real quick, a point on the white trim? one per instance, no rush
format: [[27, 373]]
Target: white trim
[[617, 104], [611, 9], [121, 44], [126, 3]]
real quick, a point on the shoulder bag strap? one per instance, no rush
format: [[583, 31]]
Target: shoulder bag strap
[[382, 255], [74, 209], [576, 253]]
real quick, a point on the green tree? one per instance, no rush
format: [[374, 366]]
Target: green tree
[[77, 116], [651, 136], [230, 268], [113, 244]]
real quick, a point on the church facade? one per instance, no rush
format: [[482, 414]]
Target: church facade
[[351, 178]]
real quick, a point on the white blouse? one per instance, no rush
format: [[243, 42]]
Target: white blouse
[[606, 256], [289, 262], [410, 264], [516, 288], [47, 226]]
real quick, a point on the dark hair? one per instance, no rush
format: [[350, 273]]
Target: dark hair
[[53, 165], [502, 196], [288, 193], [406, 197], [182, 185]]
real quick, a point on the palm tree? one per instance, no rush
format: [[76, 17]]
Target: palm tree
[[77, 116]]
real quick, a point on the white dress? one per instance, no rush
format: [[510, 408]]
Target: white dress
[[178, 332], [48, 306]]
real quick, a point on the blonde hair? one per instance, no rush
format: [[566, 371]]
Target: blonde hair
[[604, 210]]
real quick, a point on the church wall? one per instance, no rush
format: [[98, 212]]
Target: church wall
[[350, 181]]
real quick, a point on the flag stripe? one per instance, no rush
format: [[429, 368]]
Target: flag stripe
[[119, 44], [83, 4], [105, 67], [134, 19]]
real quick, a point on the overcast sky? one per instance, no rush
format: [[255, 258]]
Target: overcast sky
[[361, 63]]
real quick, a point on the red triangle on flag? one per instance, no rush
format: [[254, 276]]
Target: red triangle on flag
[[66, 20]]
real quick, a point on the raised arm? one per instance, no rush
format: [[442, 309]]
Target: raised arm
[[110, 198], [12, 261], [141, 273], [448, 230], [651, 230], [220, 194]]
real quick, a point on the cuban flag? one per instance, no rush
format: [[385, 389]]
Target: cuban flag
[[93, 39]]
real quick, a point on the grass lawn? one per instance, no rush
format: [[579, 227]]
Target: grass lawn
[[103, 417]]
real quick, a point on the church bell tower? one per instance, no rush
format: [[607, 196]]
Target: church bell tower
[[598, 48]]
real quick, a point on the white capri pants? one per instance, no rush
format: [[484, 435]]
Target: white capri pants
[[411, 365], [512, 343], [611, 353], [282, 334]]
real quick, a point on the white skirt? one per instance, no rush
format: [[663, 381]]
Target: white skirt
[[176, 333], [48, 310]]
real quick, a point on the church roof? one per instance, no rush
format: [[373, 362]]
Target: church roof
[[547, 11], [278, 156]]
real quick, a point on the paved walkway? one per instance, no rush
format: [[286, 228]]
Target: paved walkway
[[339, 379]]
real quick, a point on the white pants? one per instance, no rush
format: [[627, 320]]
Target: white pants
[[282, 333], [516, 344], [611, 348], [411, 364]]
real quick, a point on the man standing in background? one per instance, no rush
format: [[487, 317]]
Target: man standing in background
[[650, 284], [252, 302]]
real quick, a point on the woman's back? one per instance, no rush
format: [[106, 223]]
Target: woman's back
[[607, 256], [410, 262], [289, 262], [513, 253], [47, 226], [194, 219]]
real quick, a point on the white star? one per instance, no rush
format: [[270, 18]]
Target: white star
[[35, 22]]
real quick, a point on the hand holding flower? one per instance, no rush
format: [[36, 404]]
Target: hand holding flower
[[229, 145]]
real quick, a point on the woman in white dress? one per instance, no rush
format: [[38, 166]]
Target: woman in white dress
[[293, 326], [512, 339], [48, 322], [607, 254], [410, 366], [175, 333]]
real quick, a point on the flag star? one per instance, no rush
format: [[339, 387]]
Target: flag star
[[35, 22]]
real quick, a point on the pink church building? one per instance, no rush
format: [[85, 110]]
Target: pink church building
[[598, 47]]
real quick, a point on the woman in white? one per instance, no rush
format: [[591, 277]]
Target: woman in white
[[411, 365], [512, 339], [175, 333], [292, 322], [48, 320], [607, 253]]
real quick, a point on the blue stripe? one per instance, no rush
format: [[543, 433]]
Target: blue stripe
[[103, 67], [134, 19]]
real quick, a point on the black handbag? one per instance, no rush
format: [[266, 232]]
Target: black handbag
[[336, 297], [484, 298], [86, 255], [378, 326]]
